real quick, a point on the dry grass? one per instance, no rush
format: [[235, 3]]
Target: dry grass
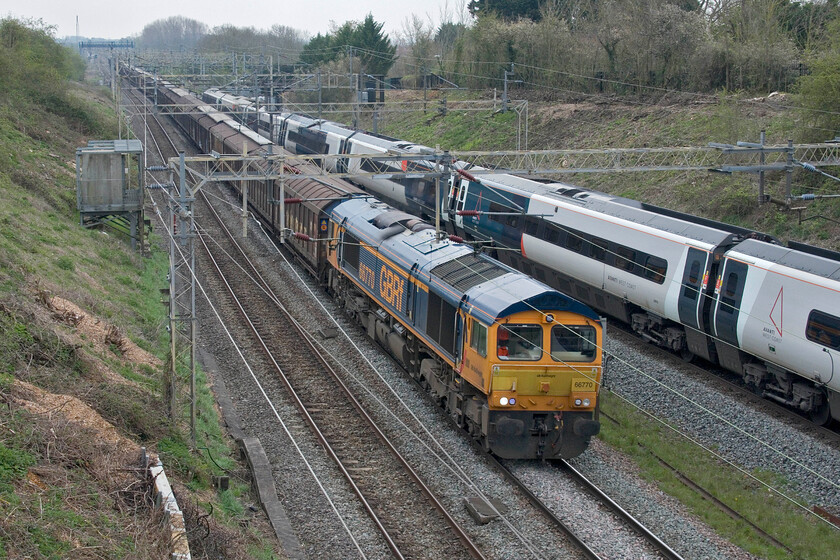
[[85, 497]]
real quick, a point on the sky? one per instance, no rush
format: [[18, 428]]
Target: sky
[[116, 19]]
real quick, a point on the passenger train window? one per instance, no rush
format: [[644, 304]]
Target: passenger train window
[[574, 243], [526, 268], [531, 224], [552, 234], [655, 269], [495, 212], [728, 299], [624, 258], [694, 273], [731, 285], [598, 250], [824, 329], [690, 291]]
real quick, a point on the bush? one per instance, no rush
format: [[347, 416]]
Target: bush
[[35, 68]]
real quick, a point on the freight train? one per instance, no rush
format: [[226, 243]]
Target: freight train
[[514, 362], [730, 295]]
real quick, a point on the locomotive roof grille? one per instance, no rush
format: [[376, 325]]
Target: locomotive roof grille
[[468, 271]]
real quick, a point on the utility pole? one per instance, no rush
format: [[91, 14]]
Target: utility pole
[[444, 159], [789, 174], [749, 148], [762, 159], [235, 75], [182, 316], [423, 70], [505, 99]]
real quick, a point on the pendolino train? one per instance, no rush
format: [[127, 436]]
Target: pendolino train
[[730, 295], [514, 362]]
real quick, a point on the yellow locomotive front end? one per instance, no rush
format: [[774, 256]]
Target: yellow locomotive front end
[[541, 372]]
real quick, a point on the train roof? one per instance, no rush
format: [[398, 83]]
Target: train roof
[[785, 256], [678, 223], [378, 140], [492, 289]]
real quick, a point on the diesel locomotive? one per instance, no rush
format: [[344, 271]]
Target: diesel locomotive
[[514, 362]]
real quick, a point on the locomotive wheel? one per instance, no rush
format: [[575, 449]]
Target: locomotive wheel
[[686, 355]]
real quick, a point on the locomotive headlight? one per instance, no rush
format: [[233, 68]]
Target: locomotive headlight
[[512, 401], [578, 402], [503, 401], [585, 402]]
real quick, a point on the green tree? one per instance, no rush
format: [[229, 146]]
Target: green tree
[[319, 50], [35, 69], [807, 22], [363, 40], [375, 49]]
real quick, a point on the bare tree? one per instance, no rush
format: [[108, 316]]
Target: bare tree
[[173, 33]]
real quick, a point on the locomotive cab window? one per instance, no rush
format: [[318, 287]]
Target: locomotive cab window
[[824, 329], [573, 343], [478, 338], [519, 342]]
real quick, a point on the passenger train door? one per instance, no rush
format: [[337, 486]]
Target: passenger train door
[[690, 303], [729, 292], [343, 148], [457, 202]]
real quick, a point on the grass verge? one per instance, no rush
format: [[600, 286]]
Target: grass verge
[[646, 441]]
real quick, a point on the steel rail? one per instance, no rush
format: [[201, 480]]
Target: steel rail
[[459, 532]]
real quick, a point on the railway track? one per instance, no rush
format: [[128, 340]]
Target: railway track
[[409, 516], [657, 548], [364, 470]]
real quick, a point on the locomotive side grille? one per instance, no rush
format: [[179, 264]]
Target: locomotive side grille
[[467, 271]]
